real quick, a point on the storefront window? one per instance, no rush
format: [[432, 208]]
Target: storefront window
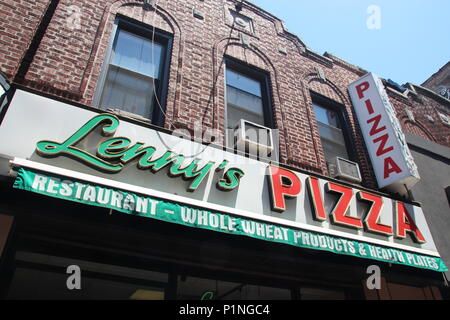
[[45, 277], [321, 294], [192, 288], [48, 277]]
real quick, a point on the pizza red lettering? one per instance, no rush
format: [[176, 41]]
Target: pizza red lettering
[[360, 88], [404, 224], [382, 146], [339, 213], [375, 127], [371, 221], [283, 183], [316, 199], [369, 106], [390, 167]]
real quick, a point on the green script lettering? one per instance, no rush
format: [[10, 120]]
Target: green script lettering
[[112, 154], [53, 149]]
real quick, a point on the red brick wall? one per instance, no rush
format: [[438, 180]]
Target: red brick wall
[[68, 62], [18, 22], [421, 102]]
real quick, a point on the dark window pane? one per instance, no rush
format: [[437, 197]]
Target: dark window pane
[[242, 105], [332, 150], [406, 292], [244, 100], [31, 284], [331, 133], [192, 288], [321, 294], [327, 116], [128, 91], [235, 114], [137, 54], [133, 74], [43, 277], [243, 83]]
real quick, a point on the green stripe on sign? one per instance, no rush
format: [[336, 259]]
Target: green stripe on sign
[[139, 205]]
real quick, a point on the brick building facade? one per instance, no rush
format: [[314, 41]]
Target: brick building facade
[[66, 61], [60, 48], [440, 81]]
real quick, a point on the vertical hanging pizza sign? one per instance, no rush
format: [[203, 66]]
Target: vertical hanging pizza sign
[[391, 158]]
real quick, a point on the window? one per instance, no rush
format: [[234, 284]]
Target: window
[[399, 291], [135, 77], [247, 96], [332, 131], [244, 99], [45, 277], [321, 294], [193, 288]]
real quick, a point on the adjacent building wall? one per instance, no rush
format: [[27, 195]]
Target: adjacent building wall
[[433, 162]]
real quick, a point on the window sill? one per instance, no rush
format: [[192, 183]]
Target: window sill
[[129, 115]]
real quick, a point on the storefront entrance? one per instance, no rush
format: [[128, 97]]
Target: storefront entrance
[[60, 250], [47, 277]]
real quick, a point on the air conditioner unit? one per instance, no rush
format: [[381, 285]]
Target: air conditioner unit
[[345, 169], [253, 138]]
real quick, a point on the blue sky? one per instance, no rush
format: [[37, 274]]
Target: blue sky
[[412, 43]]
